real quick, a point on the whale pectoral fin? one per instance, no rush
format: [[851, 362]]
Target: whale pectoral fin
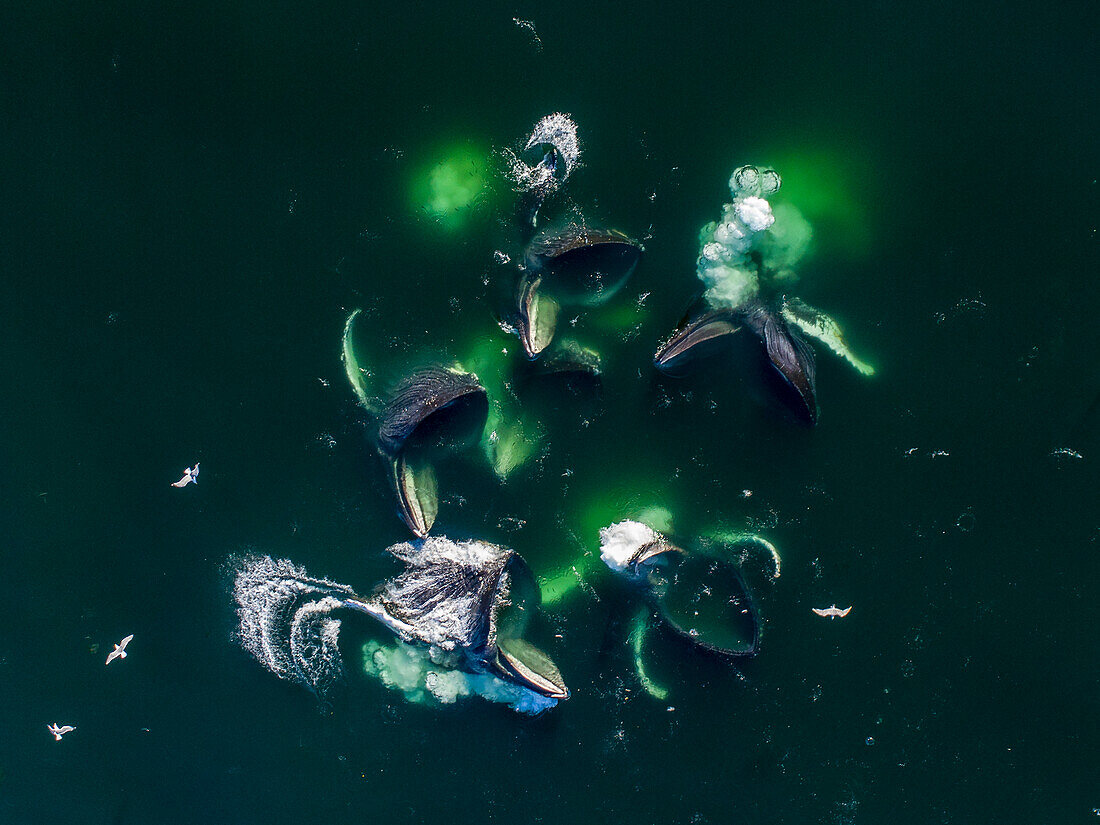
[[417, 493], [358, 376], [818, 325], [637, 642]]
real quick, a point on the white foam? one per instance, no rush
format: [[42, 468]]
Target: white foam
[[755, 214], [412, 672], [729, 286], [619, 543]]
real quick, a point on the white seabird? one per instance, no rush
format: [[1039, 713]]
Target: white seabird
[[832, 612], [59, 730], [190, 476], [120, 650]]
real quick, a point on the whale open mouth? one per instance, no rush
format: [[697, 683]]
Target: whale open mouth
[[576, 265], [792, 362], [704, 601], [430, 408], [583, 265], [700, 597], [790, 356], [697, 337]]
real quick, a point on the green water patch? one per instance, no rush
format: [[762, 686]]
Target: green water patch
[[827, 185], [454, 185]]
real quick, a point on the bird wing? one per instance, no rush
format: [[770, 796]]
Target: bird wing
[[126, 641], [844, 612], [819, 611]]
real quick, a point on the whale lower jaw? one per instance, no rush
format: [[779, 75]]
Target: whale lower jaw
[[524, 664]]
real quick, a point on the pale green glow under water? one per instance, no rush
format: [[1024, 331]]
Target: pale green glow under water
[[450, 189]]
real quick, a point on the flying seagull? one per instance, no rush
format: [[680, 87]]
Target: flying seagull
[[190, 476], [120, 650], [59, 730], [832, 612]]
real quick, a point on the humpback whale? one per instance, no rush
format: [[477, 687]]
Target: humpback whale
[[567, 264], [746, 264], [571, 265], [415, 408], [466, 605], [700, 597], [423, 405]]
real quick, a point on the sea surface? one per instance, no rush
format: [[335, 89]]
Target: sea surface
[[193, 198]]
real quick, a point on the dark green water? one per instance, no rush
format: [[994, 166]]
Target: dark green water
[[194, 196]]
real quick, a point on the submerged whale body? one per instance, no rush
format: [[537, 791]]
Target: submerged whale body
[[464, 604]]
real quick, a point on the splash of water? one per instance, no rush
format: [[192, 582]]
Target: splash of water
[[285, 621], [620, 542], [448, 594], [558, 131]]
